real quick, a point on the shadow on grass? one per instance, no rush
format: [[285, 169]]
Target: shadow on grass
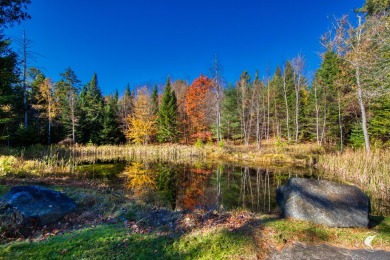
[[376, 220], [114, 241]]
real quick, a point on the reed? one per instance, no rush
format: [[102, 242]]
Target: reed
[[41, 160], [369, 171], [271, 152]]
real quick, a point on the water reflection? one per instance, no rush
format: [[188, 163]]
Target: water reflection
[[139, 178], [206, 187]]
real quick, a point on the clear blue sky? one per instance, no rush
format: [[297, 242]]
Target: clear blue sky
[[144, 41]]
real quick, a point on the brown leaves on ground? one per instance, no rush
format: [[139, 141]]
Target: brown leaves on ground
[[166, 222]]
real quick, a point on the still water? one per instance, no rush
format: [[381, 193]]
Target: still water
[[199, 186]]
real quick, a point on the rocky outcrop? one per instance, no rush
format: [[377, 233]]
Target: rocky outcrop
[[324, 202], [36, 204]]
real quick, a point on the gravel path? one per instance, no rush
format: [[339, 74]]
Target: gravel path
[[320, 252]]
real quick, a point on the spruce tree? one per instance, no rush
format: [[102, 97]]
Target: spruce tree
[[92, 112], [8, 97], [111, 132], [66, 91], [167, 116], [154, 97], [230, 120]]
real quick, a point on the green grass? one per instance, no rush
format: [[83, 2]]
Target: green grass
[[114, 242], [281, 231], [216, 243]]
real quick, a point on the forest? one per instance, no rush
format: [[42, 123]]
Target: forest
[[345, 103], [199, 169]]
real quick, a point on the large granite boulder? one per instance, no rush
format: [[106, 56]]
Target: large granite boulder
[[324, 202], [36, 204]]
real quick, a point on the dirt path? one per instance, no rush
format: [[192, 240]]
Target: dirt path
[[301, 251]]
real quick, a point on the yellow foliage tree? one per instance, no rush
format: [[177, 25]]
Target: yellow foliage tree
[[46, 103], [139, 179], [142, 124]]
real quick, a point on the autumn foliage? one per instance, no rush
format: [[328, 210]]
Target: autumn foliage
[[196, 103], [142, 124]]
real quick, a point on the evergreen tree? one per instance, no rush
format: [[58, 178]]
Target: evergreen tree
[[8, 95], [372, 7], [167, 116], [154, 97], [92, 112], [126, 105], [111, 132], [13, 11], [230, 120], [66, 91], [379, 124]]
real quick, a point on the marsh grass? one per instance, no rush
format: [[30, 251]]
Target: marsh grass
[[369, 171], [270, 152], [41, 160]]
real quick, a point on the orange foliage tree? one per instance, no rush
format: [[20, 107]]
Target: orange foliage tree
[[196, 104]]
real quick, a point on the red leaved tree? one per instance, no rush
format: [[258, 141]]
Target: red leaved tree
[[197, 105]]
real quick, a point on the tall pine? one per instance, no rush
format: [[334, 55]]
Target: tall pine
[[92, 112], [111, 132], [167, 116]]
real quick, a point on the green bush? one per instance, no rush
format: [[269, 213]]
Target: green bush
[[7, 163]]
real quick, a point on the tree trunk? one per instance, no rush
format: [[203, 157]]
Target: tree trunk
[[317, 115], [25, 80], [49, 114], [362, 110], [297, 86], [287, 112], [268, 112], [340, 122], [73, 118]]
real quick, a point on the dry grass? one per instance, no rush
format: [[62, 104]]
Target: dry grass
[[369, 171], [59, 159], [269, 153]]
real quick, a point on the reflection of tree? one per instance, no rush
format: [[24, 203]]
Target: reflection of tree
[[139, 179], [168, 183], [255, 192], [194, 187]]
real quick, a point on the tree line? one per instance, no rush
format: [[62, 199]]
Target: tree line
[[346, 103]]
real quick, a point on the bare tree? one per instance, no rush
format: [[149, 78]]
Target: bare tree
[[216, 75], [297, 65], [363, 47], [286, 103]]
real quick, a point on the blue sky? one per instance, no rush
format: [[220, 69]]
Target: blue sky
[[144, 41]]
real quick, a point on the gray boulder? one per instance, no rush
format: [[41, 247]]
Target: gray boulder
[[324, 202], [37, 204]]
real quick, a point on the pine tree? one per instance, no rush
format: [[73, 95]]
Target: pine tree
[[8, 97], [126, 105], [167, 116], [66, 91], [111, 132], [91, 112], [154, 97], [230, 120]]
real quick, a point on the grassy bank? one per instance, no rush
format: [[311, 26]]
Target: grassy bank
[[370, 172], [111, 225], [251, 241]]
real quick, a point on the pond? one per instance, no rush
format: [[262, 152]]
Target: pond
[[199, 186], [205, 186]]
